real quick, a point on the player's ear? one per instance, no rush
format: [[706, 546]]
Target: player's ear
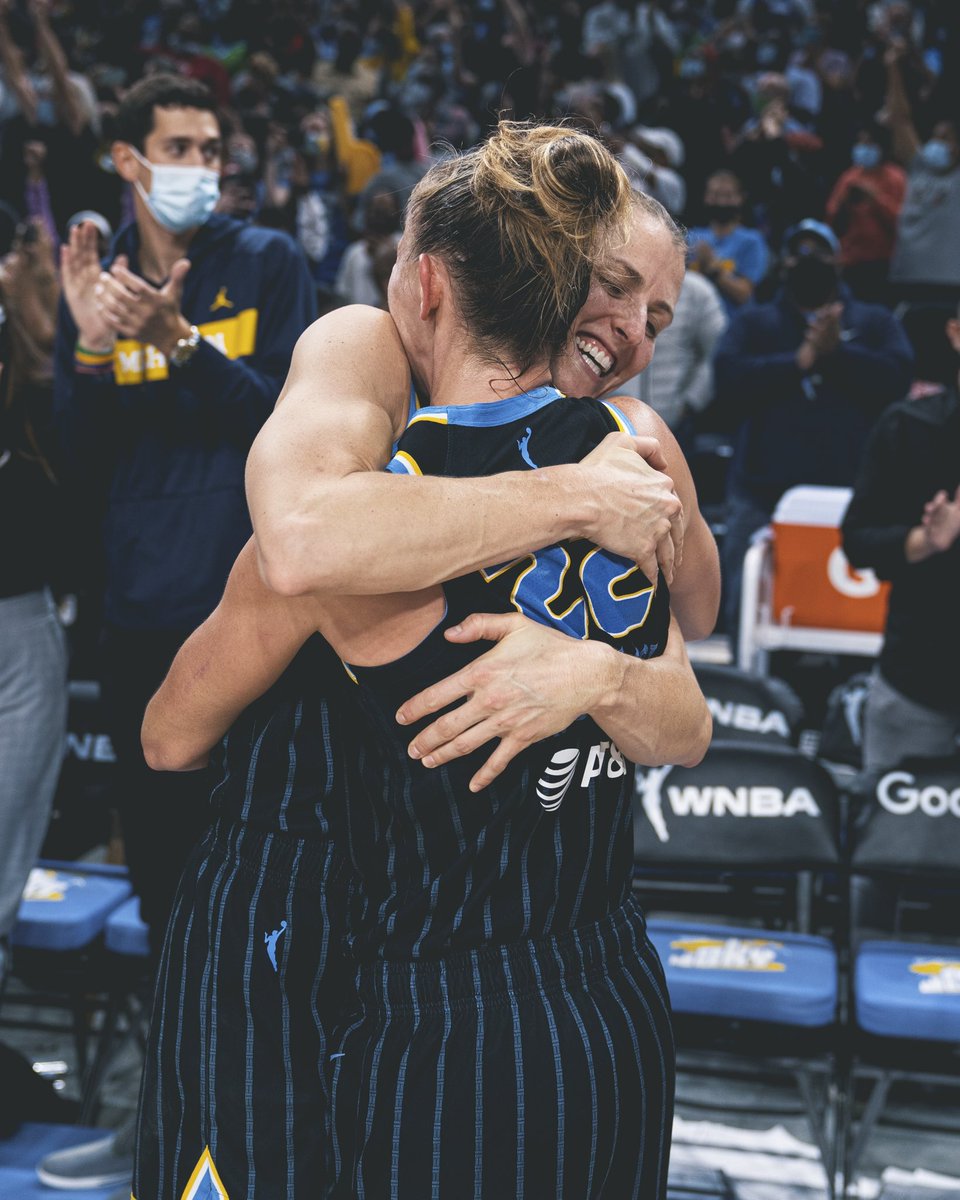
[[953, 333], [431, 285]]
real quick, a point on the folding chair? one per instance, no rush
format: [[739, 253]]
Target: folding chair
[[799, 592], [905, 938], [58, 943], [749, 708], [732, 857]]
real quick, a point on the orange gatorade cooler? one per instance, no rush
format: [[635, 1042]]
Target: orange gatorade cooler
[[813, 583]]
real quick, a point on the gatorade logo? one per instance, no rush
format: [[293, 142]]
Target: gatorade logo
[[898, 794], [939, 977], [858, 585], [726, 954]]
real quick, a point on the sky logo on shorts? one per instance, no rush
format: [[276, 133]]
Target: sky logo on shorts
[[270, 941]]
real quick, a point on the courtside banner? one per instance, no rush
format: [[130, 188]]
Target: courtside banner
[[757, 806], [909, 819]]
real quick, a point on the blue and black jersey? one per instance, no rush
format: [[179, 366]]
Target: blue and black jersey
[[284, 765], [547, 846]]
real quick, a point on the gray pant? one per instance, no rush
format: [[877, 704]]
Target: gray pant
[[33, 722], [895, 727]]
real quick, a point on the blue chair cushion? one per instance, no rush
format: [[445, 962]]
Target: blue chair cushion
[[906, 990], [66, 909], [125, 933], [20, 1154], [747, 974]]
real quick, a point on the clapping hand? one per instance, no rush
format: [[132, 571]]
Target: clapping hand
[[941, 520]]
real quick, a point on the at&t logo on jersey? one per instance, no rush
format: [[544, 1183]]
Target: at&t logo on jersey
[[559, 774], [726, 954], [898, 794], [939, 977], [739, 802]]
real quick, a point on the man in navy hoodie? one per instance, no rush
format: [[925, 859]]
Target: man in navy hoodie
[[167, 364], [807, 374]]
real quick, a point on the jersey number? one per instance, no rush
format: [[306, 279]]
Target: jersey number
[[578, 589]]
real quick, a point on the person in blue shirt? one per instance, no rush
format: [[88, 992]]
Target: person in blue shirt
[[733, 257], [806, 375]]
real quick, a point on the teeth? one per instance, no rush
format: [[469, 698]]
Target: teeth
[[595, 355]]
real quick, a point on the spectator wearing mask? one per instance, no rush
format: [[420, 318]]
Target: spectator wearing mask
[[357, 279], [401, 171], [904, 523], [926, 262], [33, 653], [733, 257], [678, 383], [863, 210], [807, 375], [166, 367]]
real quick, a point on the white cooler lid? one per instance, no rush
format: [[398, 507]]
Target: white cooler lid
[[809, 505]]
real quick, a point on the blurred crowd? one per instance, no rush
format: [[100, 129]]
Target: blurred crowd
[[810, 147]]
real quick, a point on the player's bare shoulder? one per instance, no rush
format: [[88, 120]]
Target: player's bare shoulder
[[354, 351]]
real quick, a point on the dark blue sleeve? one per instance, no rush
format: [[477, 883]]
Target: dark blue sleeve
[[746, 373], [875, 366], [244, 391], [85, 409]]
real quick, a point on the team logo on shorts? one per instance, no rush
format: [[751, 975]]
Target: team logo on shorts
[[205, 1182], [270, 941]]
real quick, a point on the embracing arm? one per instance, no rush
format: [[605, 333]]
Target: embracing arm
[[328, 519], [237, 653], [536, 681], [695, 589]]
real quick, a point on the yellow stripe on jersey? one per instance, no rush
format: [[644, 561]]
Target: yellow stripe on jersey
[[438, 418], [618, 417], [349, 672], [408, 462], [139, 362]]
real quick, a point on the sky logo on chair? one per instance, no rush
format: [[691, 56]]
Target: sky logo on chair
[[939, 977], [49, 885], [726, 954]]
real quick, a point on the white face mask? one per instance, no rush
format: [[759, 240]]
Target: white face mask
[[180, 198]]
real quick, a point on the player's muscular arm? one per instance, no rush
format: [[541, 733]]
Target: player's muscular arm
[[536, 681], [695, 590], [327, 519], [237, 653]]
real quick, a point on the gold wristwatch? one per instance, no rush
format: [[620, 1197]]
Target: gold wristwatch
[[185, 348]]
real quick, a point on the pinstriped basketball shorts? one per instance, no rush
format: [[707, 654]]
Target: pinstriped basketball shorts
[[540, 1069], [234, 1100]]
